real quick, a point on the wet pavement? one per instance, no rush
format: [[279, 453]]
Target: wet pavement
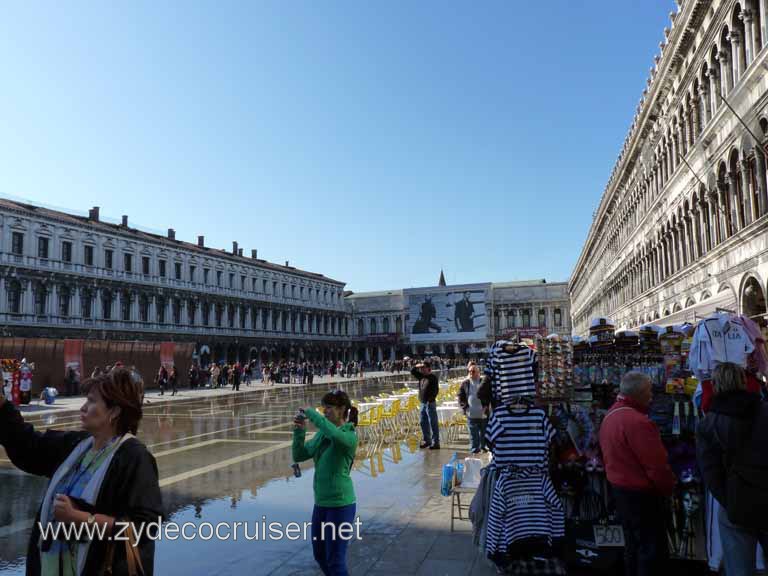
[[225, 457]]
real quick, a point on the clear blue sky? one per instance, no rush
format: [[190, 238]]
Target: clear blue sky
[[371, 141]]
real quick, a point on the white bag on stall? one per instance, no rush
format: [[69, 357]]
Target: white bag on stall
[[472, 467]]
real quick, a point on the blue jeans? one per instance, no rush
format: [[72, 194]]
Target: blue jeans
[[476, 433], [329, 549], [429, 424], [739, 546]]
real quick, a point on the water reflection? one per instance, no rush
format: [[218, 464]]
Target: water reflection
[[227, 460]]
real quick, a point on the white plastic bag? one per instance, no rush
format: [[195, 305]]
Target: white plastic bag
[[472, 467]]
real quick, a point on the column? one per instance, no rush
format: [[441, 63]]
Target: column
[[763, 7], [3, 296], [237, 316], [761, 182], [746, 189], [702, 236], [726, 79], [152, 311], [703, 108], [97, 313], [749, 48], [737, 222], [52, 304], [736, 63], [135, 307], [714, 90]]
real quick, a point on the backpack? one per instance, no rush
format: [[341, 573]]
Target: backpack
[[746, 483]]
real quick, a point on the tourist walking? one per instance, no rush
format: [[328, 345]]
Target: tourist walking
[[333, 451], [173, 380]]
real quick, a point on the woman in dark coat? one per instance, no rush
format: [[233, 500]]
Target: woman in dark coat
[[101, 477]]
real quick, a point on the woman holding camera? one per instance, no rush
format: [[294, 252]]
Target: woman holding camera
[[99, 477], [333, 451]]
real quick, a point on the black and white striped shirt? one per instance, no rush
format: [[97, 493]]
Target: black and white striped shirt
[[511, 373], [520, 437]]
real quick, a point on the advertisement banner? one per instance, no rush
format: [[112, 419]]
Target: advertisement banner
[[73, 359], [446, 314], [167, 349]]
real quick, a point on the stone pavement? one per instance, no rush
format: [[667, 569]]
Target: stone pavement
[[411, 537]]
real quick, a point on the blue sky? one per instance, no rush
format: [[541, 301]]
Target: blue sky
[[375, 142]]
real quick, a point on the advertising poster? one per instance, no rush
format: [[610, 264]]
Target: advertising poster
[[73, 358], [167, 349], [456, 313]]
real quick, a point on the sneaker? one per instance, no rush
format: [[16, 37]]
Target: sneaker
[[435, 447], [425, 445]]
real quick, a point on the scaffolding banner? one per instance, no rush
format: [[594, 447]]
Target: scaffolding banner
[[167, 350], [73, 358]]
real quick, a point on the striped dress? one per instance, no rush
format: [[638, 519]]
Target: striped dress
[[524, 503], [511, 373]]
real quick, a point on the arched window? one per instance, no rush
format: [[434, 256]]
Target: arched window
[[360, 327], [542, 317], [106, 304], [558, 318], [177, 311], [385, 325], [191, 309], [144, 303], [13, 288], [86, 303], [398, 325], [373, 326], [41, 299], [125, 307], [65, 296], [526, 318], [206, 310]]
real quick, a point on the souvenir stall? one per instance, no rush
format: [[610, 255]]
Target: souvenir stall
[[551, 402], [17, 380]]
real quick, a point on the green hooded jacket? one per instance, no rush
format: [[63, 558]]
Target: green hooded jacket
[[333, 450]]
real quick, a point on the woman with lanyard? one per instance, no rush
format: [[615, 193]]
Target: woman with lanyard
[[333, 450], [101, 477]]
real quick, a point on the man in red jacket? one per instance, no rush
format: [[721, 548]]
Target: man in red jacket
[[637, 468]]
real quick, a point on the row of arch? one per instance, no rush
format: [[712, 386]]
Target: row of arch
[[751, 302], [41, 298]]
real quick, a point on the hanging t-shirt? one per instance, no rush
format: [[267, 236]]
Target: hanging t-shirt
[[520, 437], [524, 504], [511, 372]]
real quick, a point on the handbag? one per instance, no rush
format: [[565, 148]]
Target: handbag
[[132, 556]]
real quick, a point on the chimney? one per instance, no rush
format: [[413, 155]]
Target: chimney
[[93, 214], [254, 254], [286, 263], [171, 234], [201, 241], [234, 248], [240, 252], [125, 221]]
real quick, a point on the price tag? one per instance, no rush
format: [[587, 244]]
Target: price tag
[[609, 536]]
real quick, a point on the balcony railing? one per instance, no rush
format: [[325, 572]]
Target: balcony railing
[[35, 263]]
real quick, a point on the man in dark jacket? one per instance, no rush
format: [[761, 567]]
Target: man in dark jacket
[[428, 389], [637, 468], [733, 433]]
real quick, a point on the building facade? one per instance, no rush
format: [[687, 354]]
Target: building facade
[[384, 320], [681, 229], [66, 276]]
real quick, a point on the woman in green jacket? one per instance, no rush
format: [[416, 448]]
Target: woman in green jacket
[[333, 450]]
